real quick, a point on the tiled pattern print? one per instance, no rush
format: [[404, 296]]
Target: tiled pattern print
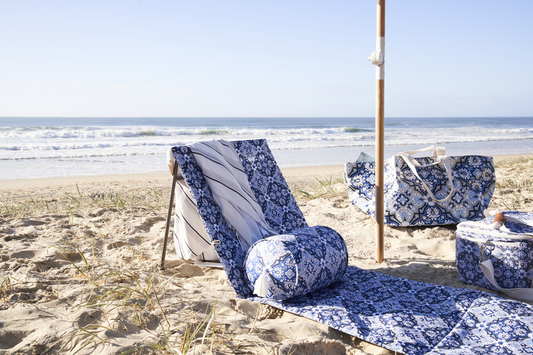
[[407, 202], [308, 260], [272, 193], [512, 259]]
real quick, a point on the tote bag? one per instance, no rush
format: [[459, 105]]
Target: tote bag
[[434, 190]]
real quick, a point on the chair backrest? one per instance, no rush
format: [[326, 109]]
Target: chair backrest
[[271, 191]]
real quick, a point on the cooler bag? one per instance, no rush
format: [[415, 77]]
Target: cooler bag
[[497, 256], [435, 190]]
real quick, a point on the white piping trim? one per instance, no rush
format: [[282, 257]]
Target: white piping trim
[[485, 241], [507, 235]]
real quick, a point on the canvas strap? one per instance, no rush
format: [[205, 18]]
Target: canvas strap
[[488, 269], [518, 293], [511, 219], [516, 220], [437, 151], [413, 164]]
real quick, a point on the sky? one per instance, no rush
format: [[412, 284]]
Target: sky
[[276, 58]]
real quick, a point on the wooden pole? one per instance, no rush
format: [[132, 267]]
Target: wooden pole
[[380, 133]]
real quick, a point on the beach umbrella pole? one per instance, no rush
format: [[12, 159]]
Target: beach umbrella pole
[[378, 59]]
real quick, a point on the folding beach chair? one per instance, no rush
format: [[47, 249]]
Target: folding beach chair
[[190, 239], [402, 315]]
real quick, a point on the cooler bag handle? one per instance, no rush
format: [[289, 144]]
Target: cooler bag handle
[[518, 293], [500, 218], [516, 220], [412, 163]]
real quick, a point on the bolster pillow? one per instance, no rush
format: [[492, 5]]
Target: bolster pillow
[[285, 266]]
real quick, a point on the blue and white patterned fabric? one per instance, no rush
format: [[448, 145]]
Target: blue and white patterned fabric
[[511, 258], [407, 202], [272, 193], [401, 315], [417, 318], [294, 265]]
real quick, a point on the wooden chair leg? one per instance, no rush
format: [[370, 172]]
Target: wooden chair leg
[[167, 229]]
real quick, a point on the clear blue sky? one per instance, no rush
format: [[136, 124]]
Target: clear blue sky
[[263, 58]]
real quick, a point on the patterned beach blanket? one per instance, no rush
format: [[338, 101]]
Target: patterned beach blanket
[[402, 315], [414, 317]]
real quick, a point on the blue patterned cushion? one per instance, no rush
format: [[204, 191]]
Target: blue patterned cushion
[[272, 193], [269, 186], [309, 259]]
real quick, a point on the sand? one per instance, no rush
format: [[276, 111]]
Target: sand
[[79, 268]]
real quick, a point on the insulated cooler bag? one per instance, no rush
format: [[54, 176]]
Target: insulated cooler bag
[[497, 257]]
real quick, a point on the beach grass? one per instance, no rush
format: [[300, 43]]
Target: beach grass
[[514, 184], [513, 190], [116, 287], [79, 203], [326, 187], [138, 295]]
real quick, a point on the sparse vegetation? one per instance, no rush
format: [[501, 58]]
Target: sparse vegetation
[[120, 289], [514, 184], [327, 187], [80, 203]]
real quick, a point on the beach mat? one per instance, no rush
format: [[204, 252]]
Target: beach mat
[[413, 317]]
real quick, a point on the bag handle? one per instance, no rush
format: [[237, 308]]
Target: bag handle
[[437, 151], [517, 220], [412, 163], [519, 293]]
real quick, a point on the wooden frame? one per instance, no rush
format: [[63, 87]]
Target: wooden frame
[[174, 171]]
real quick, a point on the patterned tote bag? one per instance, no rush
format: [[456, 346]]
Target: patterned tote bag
[[434, 190]]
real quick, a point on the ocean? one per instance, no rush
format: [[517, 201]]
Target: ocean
[[39, 147]]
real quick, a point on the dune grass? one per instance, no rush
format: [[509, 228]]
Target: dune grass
[[138, 294], [4, 287], [326, 187], [110, 287], [513, 190], [79, 203], [514, 184]]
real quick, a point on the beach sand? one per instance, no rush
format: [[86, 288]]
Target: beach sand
[[79, 267]]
